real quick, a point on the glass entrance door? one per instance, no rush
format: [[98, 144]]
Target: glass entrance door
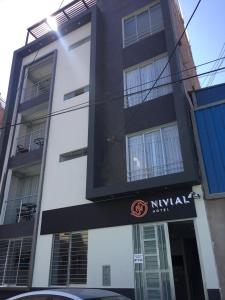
[[153, 269]]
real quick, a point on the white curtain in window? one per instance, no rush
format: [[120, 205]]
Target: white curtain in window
[[172, 150], [143, 24], [147, 80], [165, 77], [130, 31], [154, 154], [133, 85], [136, 158]]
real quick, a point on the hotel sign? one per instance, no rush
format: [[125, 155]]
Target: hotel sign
[[162, 206], [159, 206]]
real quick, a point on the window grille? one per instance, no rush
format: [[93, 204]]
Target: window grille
[[154, 153], [69, 258], [139, 81], [15, 261], [142, 24]]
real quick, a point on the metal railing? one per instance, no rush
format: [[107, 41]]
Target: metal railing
[[21, 209], [154, 171], [37, 89], [31, 141]]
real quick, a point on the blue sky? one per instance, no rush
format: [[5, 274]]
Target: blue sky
[[206, 30]]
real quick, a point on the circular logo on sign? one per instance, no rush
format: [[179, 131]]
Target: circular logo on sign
[[139, 208]]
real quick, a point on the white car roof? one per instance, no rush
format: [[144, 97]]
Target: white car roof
[[70, 293]]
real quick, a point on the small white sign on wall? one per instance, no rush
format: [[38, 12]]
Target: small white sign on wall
[[138, 258]]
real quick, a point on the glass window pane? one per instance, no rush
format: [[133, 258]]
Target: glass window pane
[[152, 280], [172, 150], [156, 18], [164, 77], [143, 24], [78, 258], [151, 262], [162, 247], [154, 154], [133, 86], [149, 232], [147, 80], [60, 255], [130, 33], [150, 247], [136, 158]]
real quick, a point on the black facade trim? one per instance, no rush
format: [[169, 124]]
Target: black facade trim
[[142, 50], [106, 168], [27, 158], [150, 114], [118, 212], [214, 294], [22, 229]]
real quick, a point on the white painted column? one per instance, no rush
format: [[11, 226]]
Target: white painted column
[[205, 246]]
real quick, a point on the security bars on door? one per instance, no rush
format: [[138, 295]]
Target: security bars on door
[[31, 141], [15, 261], [69, 258], [154, 153], [153, 276]]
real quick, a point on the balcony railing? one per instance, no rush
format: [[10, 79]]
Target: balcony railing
[[20, 209], [31, 141], [37, 89], [154, 171]]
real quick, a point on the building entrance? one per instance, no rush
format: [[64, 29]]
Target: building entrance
[[166, 262]]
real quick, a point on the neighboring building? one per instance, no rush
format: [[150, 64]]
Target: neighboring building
[[100, 182], [209, 116]]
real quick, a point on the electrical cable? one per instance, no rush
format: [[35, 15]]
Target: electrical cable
[[174, 49], [170, 57], [87, 104], [215, 66]]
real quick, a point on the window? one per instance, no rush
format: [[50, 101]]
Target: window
[[76, 93], [142, 24], [15, 261], [139, 80], [69, 258], [154, 153], [73, 154], [79, 43]]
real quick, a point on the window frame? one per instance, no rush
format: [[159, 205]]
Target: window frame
[[135, 14], [139, 66], [22, 241], [142, 133], [68, 282]]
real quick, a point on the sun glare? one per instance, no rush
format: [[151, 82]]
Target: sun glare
[[52, 23]]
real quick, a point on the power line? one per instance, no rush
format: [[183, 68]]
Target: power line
[[177, 73], [218, 65], [87, 104], [170, 57], [174, 49]]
